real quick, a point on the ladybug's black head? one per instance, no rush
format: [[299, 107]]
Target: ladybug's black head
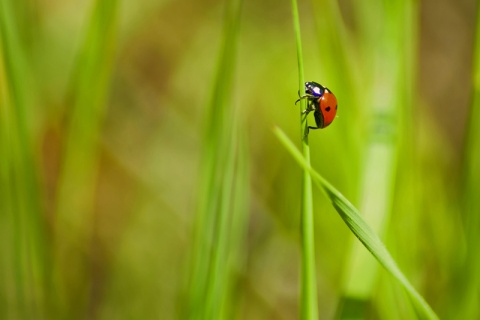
[[314, 89]]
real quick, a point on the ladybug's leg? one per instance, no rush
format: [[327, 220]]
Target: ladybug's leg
[[305, 96], [309, 109], [310, 127], [311, 106]]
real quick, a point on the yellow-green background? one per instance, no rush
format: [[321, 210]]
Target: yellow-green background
[[103, 106]]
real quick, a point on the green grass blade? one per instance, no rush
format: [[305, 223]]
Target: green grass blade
[[469, 276], [77, 181], [308, 299], [381, 148], [298, 43], [209, 294], [218, 274], [238, 255], [23, 250], [360, 229]]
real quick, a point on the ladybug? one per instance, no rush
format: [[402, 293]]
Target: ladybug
[[322, 102]]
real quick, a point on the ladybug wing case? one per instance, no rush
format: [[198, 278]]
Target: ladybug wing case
[[318, 119]]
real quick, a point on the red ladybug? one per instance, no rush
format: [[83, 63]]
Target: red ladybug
[[322, 102]]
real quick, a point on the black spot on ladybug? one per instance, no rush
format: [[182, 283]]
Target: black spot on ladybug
[[336, 107], [327, 108]]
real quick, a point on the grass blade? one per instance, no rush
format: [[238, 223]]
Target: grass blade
[[308, 299], [77, 181], [218, 204], [468, 274], [23, 249], [360, 229], [381, 148]]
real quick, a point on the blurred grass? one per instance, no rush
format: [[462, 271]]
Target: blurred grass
[[469, 281], [24, 252], [75, 197], [360, 229], [222, 190], [387, 90], [101, 106]]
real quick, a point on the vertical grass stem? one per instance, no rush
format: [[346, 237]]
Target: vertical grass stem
[[308, 303]]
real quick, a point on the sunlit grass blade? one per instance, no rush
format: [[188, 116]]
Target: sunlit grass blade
[[469, 278], [209, 294], [76, 187], [239, 222], [386, 81], [360, 229], [380, 162], [308, 297], [23, 246]]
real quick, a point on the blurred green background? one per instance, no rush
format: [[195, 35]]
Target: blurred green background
[[104, 109]]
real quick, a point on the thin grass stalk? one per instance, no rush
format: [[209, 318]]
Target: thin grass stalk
[[24, 262], [76, 187], [354, 221], [469, 282], [237, 256], [219, 275], [308, 298], [389, 296], [381, 151], [207, 294]]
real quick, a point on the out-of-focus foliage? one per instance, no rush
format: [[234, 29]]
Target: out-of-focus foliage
[[102, 115]]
